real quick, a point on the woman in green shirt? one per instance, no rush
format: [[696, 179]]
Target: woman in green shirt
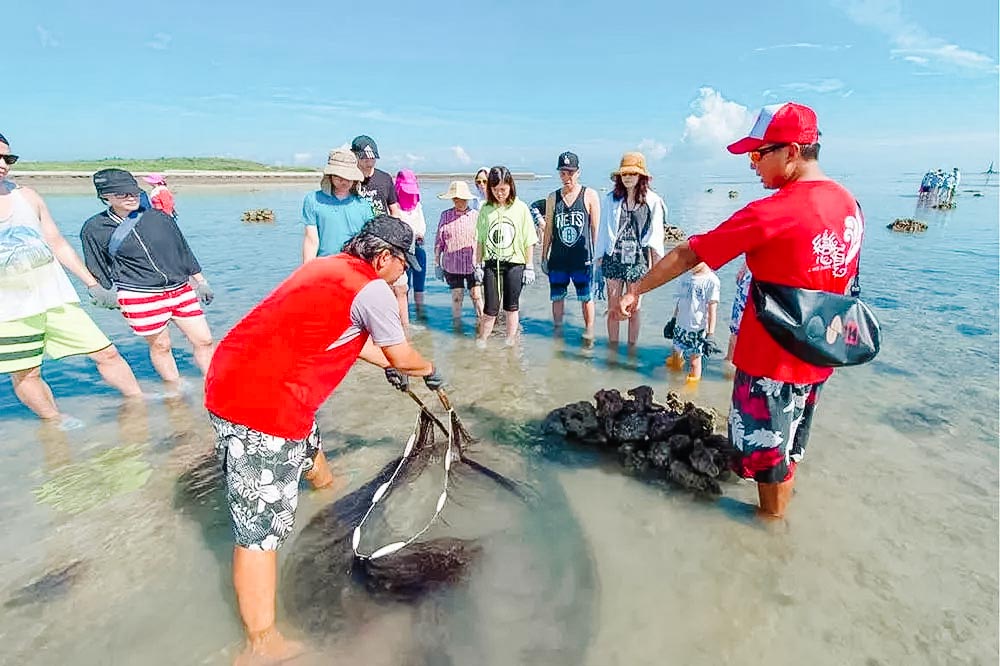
[[505, 242]]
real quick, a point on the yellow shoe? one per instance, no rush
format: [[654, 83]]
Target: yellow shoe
[[691, 379]]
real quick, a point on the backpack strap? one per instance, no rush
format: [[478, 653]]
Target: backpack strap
[[125, 227]]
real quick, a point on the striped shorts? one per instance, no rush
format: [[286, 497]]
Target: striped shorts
[[148, 313]]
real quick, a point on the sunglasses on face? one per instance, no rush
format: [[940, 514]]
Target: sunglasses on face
[[120, 196], [9, 159], [758, 155], [481, 181]]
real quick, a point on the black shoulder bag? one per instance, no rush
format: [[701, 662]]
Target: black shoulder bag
[[820, 327]]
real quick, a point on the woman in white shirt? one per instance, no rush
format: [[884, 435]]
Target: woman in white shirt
[[629, 239]]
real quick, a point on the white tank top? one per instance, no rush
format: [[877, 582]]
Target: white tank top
[[31, 278]]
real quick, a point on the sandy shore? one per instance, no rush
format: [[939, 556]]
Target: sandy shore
[[76, 181]]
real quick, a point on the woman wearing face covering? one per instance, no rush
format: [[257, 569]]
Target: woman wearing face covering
[[411, 212]]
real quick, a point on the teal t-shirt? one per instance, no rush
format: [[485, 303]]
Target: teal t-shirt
[[336, 220]]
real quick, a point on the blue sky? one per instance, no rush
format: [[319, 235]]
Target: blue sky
[[899, 85]]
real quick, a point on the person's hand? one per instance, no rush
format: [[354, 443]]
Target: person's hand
[[529, 275], [434, 381], [544, 265], [439, 273], [398, 380], [626, 305], [708, 347], [478, 274], [103, 298], [205, 293]]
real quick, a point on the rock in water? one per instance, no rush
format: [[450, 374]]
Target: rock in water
[[675, 441], [53, 585], [907, 225]]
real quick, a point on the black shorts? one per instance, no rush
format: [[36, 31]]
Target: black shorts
[[460, 281], [509, 276]]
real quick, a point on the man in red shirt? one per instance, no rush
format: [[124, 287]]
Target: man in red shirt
[[268, 378], [806, 235]]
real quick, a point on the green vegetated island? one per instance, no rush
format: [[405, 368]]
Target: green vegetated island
[[159, 164]]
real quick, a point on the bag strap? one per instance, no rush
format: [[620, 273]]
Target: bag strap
[[856, 282], [125, 227]]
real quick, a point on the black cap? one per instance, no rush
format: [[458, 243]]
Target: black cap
[[4, 140], [569, 161], [115, 181], [364, 146], [396, 233], [539, 206]]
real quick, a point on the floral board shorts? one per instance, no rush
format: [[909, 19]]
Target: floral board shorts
[[739, 302], [262, 480], [769, 423], [689, 343]]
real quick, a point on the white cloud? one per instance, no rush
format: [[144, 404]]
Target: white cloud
[[910, 40], [46, 38], [654, 149], [821, 86], [301, 158], [413, 159], [461, 155], [716, 121], [160, 41]]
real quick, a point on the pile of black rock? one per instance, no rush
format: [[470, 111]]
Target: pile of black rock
[[675, 441]]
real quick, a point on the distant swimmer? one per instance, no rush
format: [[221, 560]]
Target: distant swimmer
[[40, 312]]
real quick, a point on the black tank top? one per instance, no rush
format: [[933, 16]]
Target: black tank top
[[571, 248]]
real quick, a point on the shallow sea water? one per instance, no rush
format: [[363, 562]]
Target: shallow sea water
[[889, 554]]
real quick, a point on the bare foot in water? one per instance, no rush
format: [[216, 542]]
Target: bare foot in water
[[268, 648]]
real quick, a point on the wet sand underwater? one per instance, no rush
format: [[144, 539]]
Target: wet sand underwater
[[888, 556]]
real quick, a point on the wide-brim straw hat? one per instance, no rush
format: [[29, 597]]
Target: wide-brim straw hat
[[457, 190], [343, 163], [632, 163]]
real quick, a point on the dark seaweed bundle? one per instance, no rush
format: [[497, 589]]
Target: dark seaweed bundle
[[674, 441]]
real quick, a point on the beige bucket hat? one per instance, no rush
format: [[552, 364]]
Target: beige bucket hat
[[343, 163], [457, 190]]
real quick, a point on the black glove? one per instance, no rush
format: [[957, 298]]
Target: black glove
[[398, 380], [434, 381], [670, 328], [103, 298], [709, 348]]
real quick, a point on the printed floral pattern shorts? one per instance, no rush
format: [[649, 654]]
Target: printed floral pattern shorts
[[262, 480], [769, 423], [689, 343]]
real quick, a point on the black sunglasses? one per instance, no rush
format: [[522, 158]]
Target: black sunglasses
[[756, 155], [9, 159]]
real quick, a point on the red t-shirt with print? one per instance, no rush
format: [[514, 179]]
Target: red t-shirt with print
[[807, 235]]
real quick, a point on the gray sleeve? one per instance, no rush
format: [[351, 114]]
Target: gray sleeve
[[376, 310]]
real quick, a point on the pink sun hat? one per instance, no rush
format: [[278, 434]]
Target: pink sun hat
[[407, 189], [155, 179]]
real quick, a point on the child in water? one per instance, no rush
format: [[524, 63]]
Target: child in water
[[695, 315], [743, 278]]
